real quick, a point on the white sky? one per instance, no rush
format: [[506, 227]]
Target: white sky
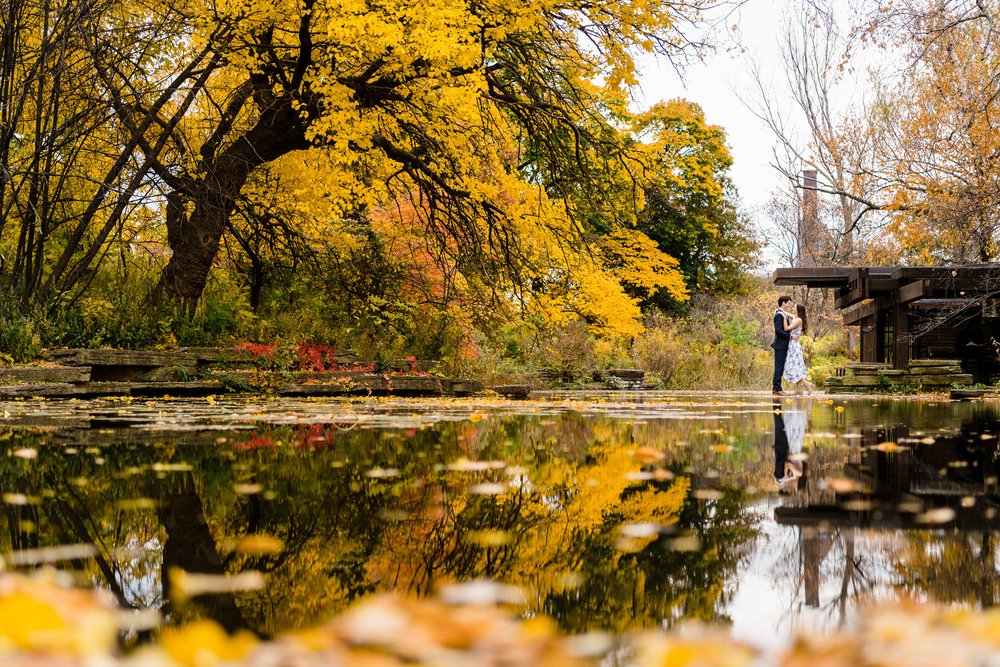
[[718, 83], [714, 85]]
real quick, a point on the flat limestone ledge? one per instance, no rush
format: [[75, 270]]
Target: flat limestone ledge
[[102, 389], [39, 374], [181, 357], [519, 391], [934, 362], [969, 394], [624, 374], [861, 381], [940, 380], [935, 370], [876, 372], [113, 357], [402, 385], [865, 366]]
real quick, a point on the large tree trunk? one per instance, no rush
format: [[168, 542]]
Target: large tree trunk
[[194, 239], [190, 547]]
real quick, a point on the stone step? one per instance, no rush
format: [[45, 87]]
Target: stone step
[[866, 365], [966, 394], [934, 362], [38, 374], [887, 372], [512, 390], [935, 370], [462, 387], [113, 357], [861, 381], [102, 389], [402, 385], [627, 374], [940, 380]]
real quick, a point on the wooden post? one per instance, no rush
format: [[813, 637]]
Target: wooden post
[[901, 336], [880, 327], [811, 558]]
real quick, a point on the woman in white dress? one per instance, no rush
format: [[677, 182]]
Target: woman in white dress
[[795, 363]]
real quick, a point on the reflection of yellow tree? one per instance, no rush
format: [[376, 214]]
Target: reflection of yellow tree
[[954, 568], [537, 534]]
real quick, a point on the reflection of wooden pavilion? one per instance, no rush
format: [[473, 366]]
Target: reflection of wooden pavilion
[[897, 485], [900, 488], [914, 312]]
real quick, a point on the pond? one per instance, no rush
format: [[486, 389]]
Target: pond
[[604, 511]]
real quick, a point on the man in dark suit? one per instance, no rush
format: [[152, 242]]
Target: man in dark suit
[[781, 340]]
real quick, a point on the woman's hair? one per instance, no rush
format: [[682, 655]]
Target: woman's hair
[[800, 310]]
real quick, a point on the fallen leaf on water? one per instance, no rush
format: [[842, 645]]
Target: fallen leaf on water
[[39, 614], [187, 585], [481, 592], [842, 485], [382, 473], [258, 544], [488, 538], [937, 515], [648, 455], [640, 530], [487, 489], [204, 643]]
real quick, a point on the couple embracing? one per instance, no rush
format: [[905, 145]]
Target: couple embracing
[[789, 324]]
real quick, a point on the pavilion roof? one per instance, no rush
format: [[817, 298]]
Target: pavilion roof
[[901, 284]]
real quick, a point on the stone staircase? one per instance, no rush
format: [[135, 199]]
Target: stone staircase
[[930, 375]]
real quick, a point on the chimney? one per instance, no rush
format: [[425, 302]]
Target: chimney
[[809, 240]]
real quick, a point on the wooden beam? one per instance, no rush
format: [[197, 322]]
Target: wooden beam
[[855, 315], [911, 291], [943, 304], [831, 276]]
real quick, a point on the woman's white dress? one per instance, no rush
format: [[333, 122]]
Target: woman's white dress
[[795, 363], [796, 422]]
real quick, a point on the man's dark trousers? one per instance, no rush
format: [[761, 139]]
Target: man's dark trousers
[[780, 345], [779, 367]]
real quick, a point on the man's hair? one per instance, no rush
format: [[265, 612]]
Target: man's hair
[[782, 300]]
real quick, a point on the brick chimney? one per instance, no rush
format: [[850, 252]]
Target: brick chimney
[[810, 234]]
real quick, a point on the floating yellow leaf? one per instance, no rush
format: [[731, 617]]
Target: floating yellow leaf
[[38, 614], [204, 643], [259, 544], [648, 455]]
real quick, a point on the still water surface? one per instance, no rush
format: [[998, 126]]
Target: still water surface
[[606, 512]]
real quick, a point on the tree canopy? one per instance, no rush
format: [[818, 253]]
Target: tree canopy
[[404, 156]]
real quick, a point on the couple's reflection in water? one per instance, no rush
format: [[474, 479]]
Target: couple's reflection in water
[[816, 539], [789, 435], [913, 508]]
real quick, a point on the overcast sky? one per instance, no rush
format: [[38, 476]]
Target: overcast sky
[[717, 85]]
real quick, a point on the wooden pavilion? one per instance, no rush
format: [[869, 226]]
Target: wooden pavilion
[[908, 313]]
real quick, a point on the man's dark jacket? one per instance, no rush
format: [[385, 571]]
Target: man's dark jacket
[[781, 337]]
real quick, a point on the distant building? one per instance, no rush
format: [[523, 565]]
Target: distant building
[[904, 313]]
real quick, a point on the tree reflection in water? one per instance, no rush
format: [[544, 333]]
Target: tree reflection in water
[[906, 513], [560, 505]]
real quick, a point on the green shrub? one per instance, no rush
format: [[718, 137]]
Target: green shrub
[[20, 339]]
